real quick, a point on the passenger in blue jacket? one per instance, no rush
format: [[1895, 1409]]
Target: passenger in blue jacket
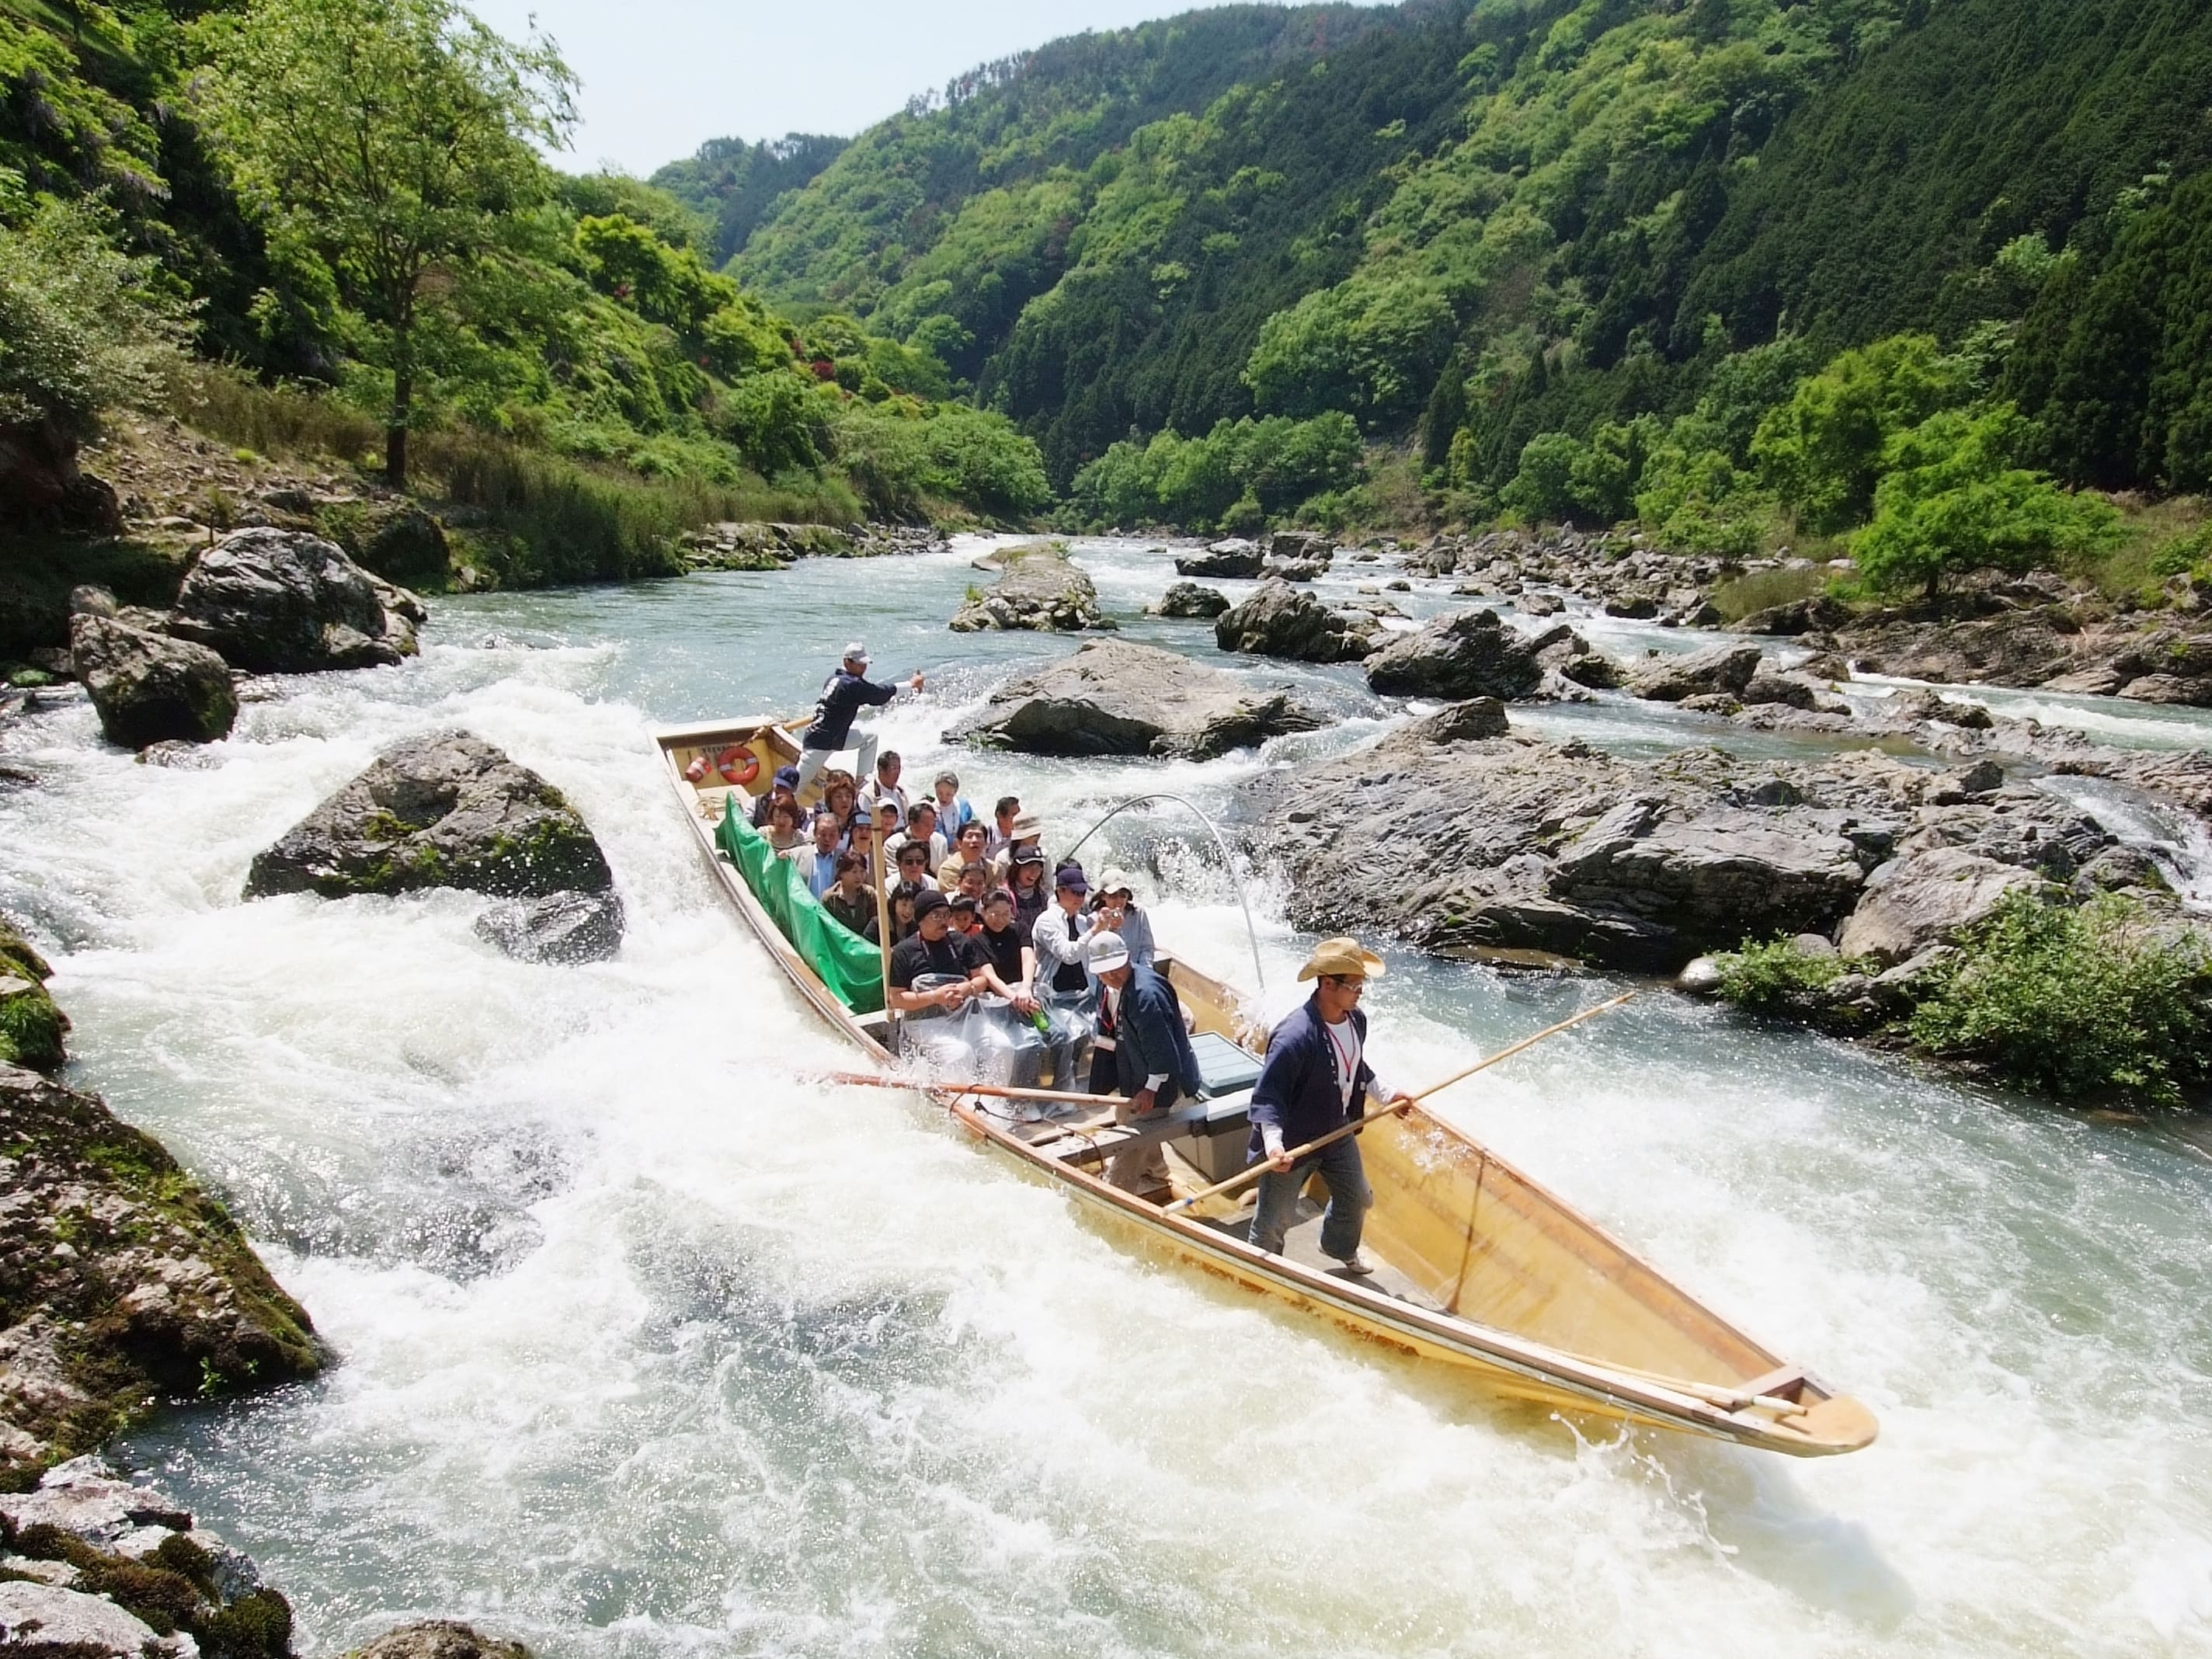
[[844, 694], [1315, 1078], [1151, 1049]]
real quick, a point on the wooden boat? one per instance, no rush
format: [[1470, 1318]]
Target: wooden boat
[[1480, 1270]]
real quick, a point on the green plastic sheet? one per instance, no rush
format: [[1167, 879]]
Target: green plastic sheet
[[852, 967]]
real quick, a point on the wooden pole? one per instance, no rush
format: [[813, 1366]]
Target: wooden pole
[[995, 1091], [883, 925], [1246, 1177]]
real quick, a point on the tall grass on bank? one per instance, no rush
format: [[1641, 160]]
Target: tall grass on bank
[[275, 421], [546, 519]]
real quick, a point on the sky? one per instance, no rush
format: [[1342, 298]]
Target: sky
[[662, 77]]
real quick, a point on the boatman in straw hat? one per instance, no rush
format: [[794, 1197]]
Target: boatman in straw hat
[[1317, 1078], [844, 694]]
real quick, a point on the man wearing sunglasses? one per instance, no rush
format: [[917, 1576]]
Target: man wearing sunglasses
[[1315, 1078]]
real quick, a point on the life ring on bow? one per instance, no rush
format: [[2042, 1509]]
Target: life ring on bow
[[737, 766]]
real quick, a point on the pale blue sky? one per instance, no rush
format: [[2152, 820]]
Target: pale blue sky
[[661, 76]]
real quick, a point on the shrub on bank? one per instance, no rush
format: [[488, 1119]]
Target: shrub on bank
[[1774, 975], [2075, 1001]]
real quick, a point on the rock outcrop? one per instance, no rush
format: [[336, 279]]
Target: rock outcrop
[[1191, 600], [1929, 897], [1280, 621], [121, 1280], [1233, 558], [442, 809], [284, 601], [31, 1028], [1039, 589], [441, 1638], [1470, 654], [1113, 697], [148, 687], [1717, 670]]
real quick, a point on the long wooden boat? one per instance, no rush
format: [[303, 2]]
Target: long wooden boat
[[1481, 1271]]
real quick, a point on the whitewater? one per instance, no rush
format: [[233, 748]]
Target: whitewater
[[650, 1343]]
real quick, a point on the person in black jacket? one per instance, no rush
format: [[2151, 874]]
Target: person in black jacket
[[844, 694], [1315, 1078], [1152, 1051]]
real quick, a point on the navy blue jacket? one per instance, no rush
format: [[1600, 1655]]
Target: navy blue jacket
[[1299, 1090], [843, 695], [1150, 1037]]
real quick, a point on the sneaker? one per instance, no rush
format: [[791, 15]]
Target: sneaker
[[1357, 1264]]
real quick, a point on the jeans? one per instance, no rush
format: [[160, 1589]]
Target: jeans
[[1350, 1198], [813, 762]]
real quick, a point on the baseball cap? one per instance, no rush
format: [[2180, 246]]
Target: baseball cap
[[1027, 855], [1116, 880], [856, 652], [787, 776], [1071, 876], [1105, 952], [927, 900]]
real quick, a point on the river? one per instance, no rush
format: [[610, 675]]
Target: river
[[651, 1346]]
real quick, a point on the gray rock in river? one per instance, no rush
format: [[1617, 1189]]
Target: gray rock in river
[[148, 687], [440, 1639], [1471, 654], [1113, 697], [284, 601], [1929, 897], [1280, 621], [1040, 590], [126, 1284], [1189, 599], [441, 809], [1230, 558], [1723, 670]]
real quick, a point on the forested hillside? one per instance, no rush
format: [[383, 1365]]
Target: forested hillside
[[1627, 232]]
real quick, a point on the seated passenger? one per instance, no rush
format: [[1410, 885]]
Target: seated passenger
[[1002, 824], [921, 828], [848, 899], [968, 849], [902, 898], [975, 882], [782, 828], [885, 784], [818, 861], [1119, 912], [1026, 832], [778, 789], [953, 813], [912, 869], [1026, 883], [933, 949], [967, 914], [838, 794], [890, 829], [860, 837]]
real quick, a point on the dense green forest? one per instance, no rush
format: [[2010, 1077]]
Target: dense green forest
[[328, 223], [1564, 260], [1896, 277]]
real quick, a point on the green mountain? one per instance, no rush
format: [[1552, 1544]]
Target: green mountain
[[732, 186], [1475, 222]]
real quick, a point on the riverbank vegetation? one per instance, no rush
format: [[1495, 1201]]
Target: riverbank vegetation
[[322, 230], [2101, 1001]]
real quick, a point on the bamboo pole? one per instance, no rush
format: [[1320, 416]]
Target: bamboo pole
[[1245, 1178], [995, 1091], [883, 927]]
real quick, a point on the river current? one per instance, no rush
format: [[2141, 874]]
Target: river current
[[650, 1344]]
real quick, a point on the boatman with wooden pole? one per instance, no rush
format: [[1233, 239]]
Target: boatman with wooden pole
[[844, 694], [1315, 1079]]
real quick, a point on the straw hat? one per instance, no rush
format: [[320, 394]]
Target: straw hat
[[1341, 955]]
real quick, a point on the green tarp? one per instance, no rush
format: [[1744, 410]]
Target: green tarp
[[852, 967]]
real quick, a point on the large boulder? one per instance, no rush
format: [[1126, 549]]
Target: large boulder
[[1928, 897], [393, 538], [441, 1638], [1189, 599], [1471, 654], [148, 687], [1113, 697], [1039, 589], [124, 1283], [1280, 621], [1233, 558], [442, 809], [284, 601], [1798, 616], [1718, 670]]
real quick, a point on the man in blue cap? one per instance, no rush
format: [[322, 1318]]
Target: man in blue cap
[[844, 694], [783, 787]]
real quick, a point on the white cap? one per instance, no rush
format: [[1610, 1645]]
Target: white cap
[[1105, 952], [1116, 880], [856, 652]]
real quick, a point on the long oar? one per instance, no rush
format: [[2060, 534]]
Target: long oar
[[1246, 1177], [996, 1091]]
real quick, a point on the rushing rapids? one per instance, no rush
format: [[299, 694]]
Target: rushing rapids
[[651, 1344]]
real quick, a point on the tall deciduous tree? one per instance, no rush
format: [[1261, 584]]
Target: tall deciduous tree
[[391, 141]]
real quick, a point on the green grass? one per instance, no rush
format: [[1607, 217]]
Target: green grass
[[2158, 540], [275, 421], [1759, 589]]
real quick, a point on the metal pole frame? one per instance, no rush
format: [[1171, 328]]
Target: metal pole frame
[[1228, 862]]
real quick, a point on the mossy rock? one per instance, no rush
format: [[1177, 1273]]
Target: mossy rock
[[400, 541], [31, 1027]]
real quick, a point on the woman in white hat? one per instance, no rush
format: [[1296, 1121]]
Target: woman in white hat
[[1317, 1078], [1119, 912]]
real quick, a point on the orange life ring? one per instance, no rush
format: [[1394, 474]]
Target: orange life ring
[[738, 766]]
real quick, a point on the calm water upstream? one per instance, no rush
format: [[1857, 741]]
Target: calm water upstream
[[651, 1346]]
